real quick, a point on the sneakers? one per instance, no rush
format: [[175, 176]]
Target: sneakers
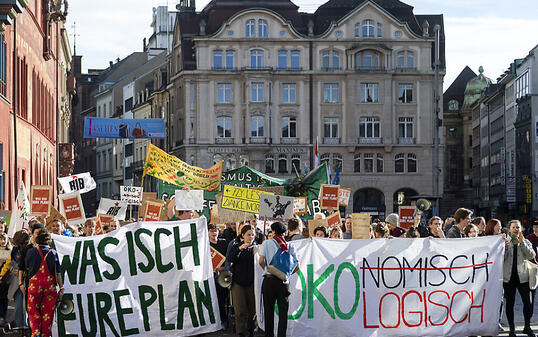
[[528, 331]]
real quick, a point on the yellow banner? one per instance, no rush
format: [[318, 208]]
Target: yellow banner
[[242, 199], [173, 170]]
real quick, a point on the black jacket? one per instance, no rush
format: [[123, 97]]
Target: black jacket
[[242, 264]]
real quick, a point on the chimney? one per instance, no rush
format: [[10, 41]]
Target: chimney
[[111, 63]]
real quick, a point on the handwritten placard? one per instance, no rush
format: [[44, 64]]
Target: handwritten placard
[[328, 196], [360, 228], [40, 199]]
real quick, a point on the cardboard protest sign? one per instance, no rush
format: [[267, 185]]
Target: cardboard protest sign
[[276, 207], [54, 215], [299, 205], [400, 287], [214, 215], [360, 226], [71, 207], [115, 208], [21, 212], [81, 183], [334, 220], [131, 194], [328, 196], [146, 196], [272, 189], [153, 210], [5, 215], [216, 258], [102, 220], [241, 199], [40, 199], [227, 215], [314, 223], [407, 216], [179, 272], [343, 196], [189, 200], [173, 170]]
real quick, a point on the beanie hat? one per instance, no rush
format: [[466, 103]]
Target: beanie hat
[[393, 219]]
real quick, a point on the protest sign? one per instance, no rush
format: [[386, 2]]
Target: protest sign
[[328, 196], [241, 199], [334, 220], [146, 196], [299, 205], [343, 196], [227, 215], [72, 207], [40, 199], [21, 212], [115, 208], [189, 200], [102, 220], [276, 207], [131, 194], [54, 215], [153, 210], [360, 226], [81, 183], [217, 259], [397, 287], [5, 215], [314, 223], [173, 170], [139, 280], [95, 127], [280, 190], [214, 215], [407, 216]]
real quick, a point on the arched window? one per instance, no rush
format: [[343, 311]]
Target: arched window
[[230, 162], [399, 163], [367, 59], [296, 163], [243, 160], [256, 58], [282, 163], [250, 28], [325, 158], [330, 59], [411, 163], [269, 164], [338, 162], [357, 163], [453, 105], [217, 59], [357, 30], [262, 28], [368, 28]]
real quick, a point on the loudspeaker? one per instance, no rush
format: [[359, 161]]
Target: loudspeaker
[[65, 307], [225, 279], [423, 205]]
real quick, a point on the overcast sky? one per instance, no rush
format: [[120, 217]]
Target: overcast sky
[[478, 32]]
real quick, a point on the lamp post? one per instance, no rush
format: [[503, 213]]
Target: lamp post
[[436, 124]]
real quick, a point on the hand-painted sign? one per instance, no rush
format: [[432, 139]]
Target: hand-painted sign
[[217, 259], [328, 196], [153, 210], [115, 208], [299, 205], [81, 183], [315, 223], [131, 194], [241, 199], [72, 207], [343, 196], [360, 226], [40, 199], [407, 216], [173, 170], [334, 220], [124, 128], [189, 200], [276, 207]]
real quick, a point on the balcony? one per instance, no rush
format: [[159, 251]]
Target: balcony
[[257, 140], [289, 140], [224, 140], [289, 69], [405, 70], [406, 140], [365, 140], [331, 69], [224, 69], [331, 141], [370, 69], [257, 68]]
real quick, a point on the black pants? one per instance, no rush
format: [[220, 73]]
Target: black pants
[[274, 290], [3, 299], [510, 298], [223, 298]]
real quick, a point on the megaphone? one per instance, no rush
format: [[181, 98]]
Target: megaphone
[[225, 279], [423, 205], [65, 306]]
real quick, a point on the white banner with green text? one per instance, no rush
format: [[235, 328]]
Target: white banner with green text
[[144, 279], [394, 287]]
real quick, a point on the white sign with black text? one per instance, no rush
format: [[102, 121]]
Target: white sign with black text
[[81, 183], [131, 194]]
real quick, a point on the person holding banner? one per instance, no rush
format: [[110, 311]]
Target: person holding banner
[[241, 256], [220, 246], [516, 276], [89, 228], [44, 272], [320, 232], [463, 218]]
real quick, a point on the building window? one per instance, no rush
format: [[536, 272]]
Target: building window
[[357, 163], [369, 93], [217, 59], [379, 163], [379, 30], [357, 30], [330, 92], [368, 28], [262, 28], [330, 59], [257, 92], [256, 126], [230, 59], [289, 127], [398, 33], [230, 162], [282, 59], [367, 60], [330, 127], [224, 127], [3, 73], [399, 163], [295, 59], [296, 163], [368, 162], [405, 92], [256, 59], [453, 105], [191, 93], [338, 162], [405, 127], [282, 163], [224, 93], [411, 163], [288, 93], [251, 28], [369, 127], [405, 59], [325, 158], [269, 164]]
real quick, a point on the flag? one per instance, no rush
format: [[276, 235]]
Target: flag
[[305, 168], [21, 213], [316, 157], [336, 179], [329, 173]]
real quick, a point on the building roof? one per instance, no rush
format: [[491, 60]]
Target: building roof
[[473, 89], [458, 85]]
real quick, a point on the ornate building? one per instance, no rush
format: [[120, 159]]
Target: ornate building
[[256, 83]]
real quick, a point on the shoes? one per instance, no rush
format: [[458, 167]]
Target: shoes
[[528, 331], [512, 334], [501, 328]]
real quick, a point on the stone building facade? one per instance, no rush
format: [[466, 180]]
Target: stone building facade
[[258, 86]]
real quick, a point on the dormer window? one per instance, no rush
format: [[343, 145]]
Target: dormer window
[[251, 28], [262, 28], [368, 28]]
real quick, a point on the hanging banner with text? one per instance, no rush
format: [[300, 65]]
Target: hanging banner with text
[[139, 280], [81, 183], [95, 127], [394, 287]]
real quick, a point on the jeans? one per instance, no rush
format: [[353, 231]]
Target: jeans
[[274, 290], [20, 310]]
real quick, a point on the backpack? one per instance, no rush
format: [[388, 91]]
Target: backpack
[[282, 264]]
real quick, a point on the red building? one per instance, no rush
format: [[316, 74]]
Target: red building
[[32, 66]]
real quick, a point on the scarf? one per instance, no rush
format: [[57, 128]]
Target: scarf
[[515, 239], [281, 242]]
